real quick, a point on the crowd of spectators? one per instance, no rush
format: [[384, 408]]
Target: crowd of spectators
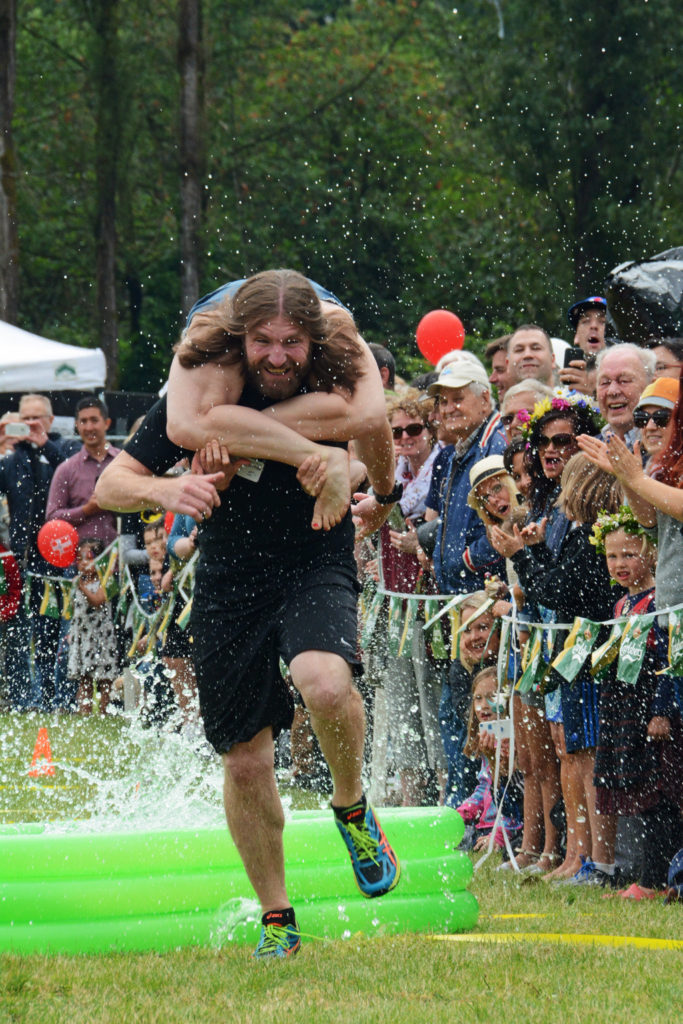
[[535, 490]]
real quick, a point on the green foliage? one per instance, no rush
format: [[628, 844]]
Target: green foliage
[[403, 154]]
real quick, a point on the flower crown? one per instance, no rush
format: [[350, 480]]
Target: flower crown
[[625, 520], [563, 400]]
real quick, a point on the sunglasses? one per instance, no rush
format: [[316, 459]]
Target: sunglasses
[[412, 430], [661, 417], [557, 441]]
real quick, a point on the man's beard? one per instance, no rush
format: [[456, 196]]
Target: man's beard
[[278, 388]]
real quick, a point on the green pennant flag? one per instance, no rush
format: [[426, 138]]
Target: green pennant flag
[[436, 639], [533, 663], [139, 624], [183, 619], [67, 589], [395, 625], [632, 649], [405, 648], [168, 608], [676, 642], [371, 620], [3, 580], [123, 603], [577, 646], [504, 667], [105, 564], [603, 656], [49, 606]]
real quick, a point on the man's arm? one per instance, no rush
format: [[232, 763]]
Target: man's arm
[[338, 415], [126, 485]]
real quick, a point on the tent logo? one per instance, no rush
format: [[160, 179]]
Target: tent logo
[[65, 372]]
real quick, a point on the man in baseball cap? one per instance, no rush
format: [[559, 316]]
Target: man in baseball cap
[[587, 320]]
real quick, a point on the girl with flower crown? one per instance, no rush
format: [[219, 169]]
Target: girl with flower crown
[[639, 762]]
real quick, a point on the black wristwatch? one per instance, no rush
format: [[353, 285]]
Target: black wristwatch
[[391, 498]]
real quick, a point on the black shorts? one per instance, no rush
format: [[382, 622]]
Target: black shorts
[[240, 635]]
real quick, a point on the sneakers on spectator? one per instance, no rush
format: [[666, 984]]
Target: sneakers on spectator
[[589, 874], [375, 864], [280, 935]]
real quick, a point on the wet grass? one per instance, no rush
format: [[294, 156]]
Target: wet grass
[[398, 980]]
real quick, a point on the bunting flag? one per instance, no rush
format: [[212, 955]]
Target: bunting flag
[[577, 646], [395, 624], [27, 592], [603, 656], [370, 620], [67, 589], [49, 606], [436, 638], [632, 648], [454, 616], [105, 564], [676, 642], [405, 647], [183, 619], [504, 659], [138, 629], [533, 663], [167, 609]]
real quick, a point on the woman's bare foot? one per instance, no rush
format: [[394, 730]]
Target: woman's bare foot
[[335, 496], [566, 870]]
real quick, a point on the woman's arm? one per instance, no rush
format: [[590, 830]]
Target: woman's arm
[[643, 494]]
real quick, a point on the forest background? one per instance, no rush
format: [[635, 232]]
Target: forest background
[[497, 160]]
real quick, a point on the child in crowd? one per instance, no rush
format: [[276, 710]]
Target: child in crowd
[[480, 808], [93, 652], [477, 647], [639, 758]]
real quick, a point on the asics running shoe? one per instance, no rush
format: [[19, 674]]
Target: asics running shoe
[[375, 864], [277, 938]]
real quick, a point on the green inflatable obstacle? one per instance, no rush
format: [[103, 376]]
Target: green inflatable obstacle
[[96, 893]]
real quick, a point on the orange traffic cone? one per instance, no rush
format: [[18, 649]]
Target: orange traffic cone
[[42, 756]]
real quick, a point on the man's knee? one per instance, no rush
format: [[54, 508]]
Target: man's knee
[[324, 681], [249, 764]]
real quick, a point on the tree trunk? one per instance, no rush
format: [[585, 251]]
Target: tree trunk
[[107, 141], [9, 238], [191, 71]]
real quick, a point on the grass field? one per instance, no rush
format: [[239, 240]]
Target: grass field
[[512, 967]]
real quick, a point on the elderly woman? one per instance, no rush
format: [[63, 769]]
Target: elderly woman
[[411, 683]]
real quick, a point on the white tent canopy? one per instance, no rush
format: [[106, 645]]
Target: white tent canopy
[[31, 363]]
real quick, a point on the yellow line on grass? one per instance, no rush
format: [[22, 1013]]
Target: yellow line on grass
[[559, 938]]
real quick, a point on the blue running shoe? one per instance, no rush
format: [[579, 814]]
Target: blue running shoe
[[278, 939], [375, 864], [589, 874]]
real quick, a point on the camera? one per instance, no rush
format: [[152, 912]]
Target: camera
[[17, 430]]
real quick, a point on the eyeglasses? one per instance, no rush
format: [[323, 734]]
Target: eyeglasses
[[412, 430], [557, 441], [661, 417], [493, 492], [508, 419]]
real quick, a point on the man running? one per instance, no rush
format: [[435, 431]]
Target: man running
[[267, 584]]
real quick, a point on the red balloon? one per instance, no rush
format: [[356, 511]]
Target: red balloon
[[439, 332], [57, 542]]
